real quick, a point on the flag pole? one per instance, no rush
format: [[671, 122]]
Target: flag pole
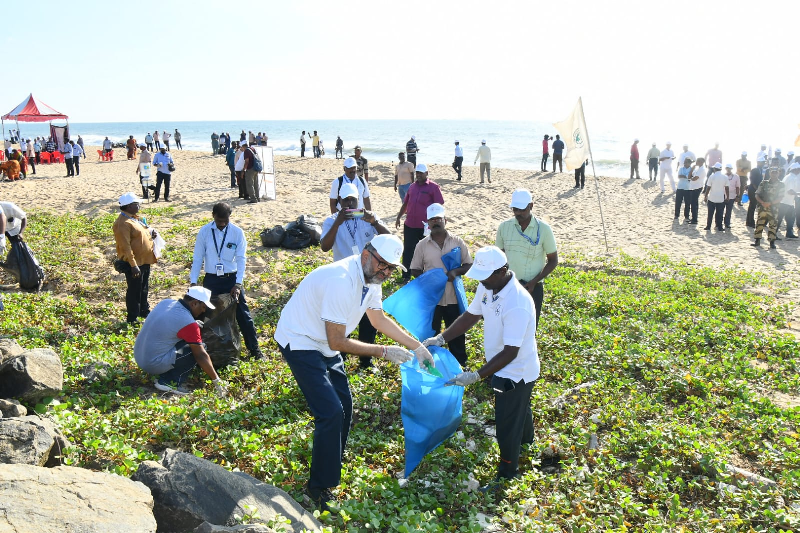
[[596, 186]]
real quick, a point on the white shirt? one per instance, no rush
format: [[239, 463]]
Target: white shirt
[[700, 173], [509, 319], [351, 237], [106, 145], [791, 181], [459, 151], [761, 154], [77, 151], [23, 147], [238, 163], [230, 250], [484, 154], [162, 161], [333, 293], [683, 155], [361, 185], [11, 210], [165, 137], [716, 187], [669, 154], [734, 184]]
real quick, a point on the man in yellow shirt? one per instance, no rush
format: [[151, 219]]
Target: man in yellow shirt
[[743, 168], [315, 144]]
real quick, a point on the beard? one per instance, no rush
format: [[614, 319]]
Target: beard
[[373, 276]]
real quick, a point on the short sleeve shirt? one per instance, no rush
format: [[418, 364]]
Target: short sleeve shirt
[[669, 154], [12, 211], [717, 183], [405, 173], [509, 319], [525, 259], [683, 178], [351, 237], [743, 167], [361, 165], [167, 324], [790, 182], [428, 255], [417, 200], [361, 185], [700, 182], [333, 293]]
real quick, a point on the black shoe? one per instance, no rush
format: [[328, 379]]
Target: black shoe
[[772, 244], [258, 355], [676, 218], [692, 222], [167, 200], [708, 228], [151, 187], [720, 229], [757, 244], [318, 498], [155, 199], [778, 239], [791, 236]]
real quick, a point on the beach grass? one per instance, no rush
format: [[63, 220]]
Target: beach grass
[[687, 370]]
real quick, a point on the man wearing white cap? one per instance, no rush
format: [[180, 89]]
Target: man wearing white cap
[[428, 256], [512, 359], [763, 153], [170, 345], [743, 168], [756, 177], [530, 246], [411, 150], [135, 254], [683, 155], [732, 193], [350, 176], [716, 190], [652, 163], [458, 161], [786, 211], [347, 233], [312, 331], [665, 160], [485, 156], [635, 159], [422, 193]]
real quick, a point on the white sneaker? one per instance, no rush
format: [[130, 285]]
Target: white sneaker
[[179, 390]]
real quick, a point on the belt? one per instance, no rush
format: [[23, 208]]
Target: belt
[[226, 275], [523, 282]]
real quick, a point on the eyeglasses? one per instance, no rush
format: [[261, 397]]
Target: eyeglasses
[[382, 265]]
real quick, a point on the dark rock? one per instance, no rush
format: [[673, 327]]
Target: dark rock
[[59, 441], [24, 442], [12, 408], [188, 491], [72, 500], [31, 375], [95, 371]]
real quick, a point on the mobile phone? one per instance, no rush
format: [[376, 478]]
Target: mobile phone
[[354, 213]]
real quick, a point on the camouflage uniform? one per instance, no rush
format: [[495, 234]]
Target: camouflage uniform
[[771, 192], [361, 165]]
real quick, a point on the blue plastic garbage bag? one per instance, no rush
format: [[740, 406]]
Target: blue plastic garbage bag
[[431, 412], [413, 305], [451, 260], [745, 198]]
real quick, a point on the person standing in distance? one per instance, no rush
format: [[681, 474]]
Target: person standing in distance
[[652, 163], [312, 332], [545, 152], [558, 154], [530, 246], [220, 250], [635, 159], [485, 156], [302, 143], [458, 161], [403, 176], [665, 160], [162, 161], [411, 150]]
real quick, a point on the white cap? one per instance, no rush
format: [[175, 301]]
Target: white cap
[[129, 198], [654, 144], [347, 190], [686, 146], [790, 153], [728, 165], [390, 248], [483, 141], [763, 146], [669, 143], [521, 198], [435, 210], [744, 154], [636, 140], [413, 138], [201, 293], [777, 150], [487, 260], [794, 166], [421, 167], [350, 162], [717, 165], [456, 140]]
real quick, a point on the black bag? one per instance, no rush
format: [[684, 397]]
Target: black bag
[[122, 266], [296, 238], [171, 167], [24, 266], [272, 237], [311, 226], [220, 332]]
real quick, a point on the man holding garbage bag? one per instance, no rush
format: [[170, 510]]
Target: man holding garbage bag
[[312, 331], [512, 360]]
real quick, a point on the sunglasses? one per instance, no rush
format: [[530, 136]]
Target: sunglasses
[[382, 265]]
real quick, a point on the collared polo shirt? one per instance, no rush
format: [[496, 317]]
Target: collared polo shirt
[[361, 185], [12, 211], [230, 250], [683, 178], [669, 154], [333, 293], [459, 151], [162, 161], [790, 182], [351, 237], [700, 182], [743, 167], [524, 259], [428, 255], [509, 319], [734, 183], [167, 324], [717, 183], [417, 200], [77, 151]]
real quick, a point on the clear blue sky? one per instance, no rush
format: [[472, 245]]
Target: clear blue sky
[[666, 64]]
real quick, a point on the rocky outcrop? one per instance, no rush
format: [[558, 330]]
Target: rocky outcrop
[[30, 440], [31, 375], [72, 500], [12, 408], [188, 490]]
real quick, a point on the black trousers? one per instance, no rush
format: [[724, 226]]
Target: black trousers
[[38, 157], [786, 212], [411, 236], [166, 143], [652, 168], [458, 345], [32, 163], [557, 159], [694, 203], [242, 184], [716, 211], [366, 334], [635, 168], [136, 296], [76, 163], [223, 285], [538, 298], [682, 196], [178, 144], [514, 421], [302, 150], [233, 178], [457, 163], [544, 161], [158, 145], [70, 167], [411, 158], [728, 211], [164, 178], [751, 207], [580, 176], [150, 146]]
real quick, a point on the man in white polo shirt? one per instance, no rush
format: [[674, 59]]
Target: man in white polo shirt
[[787, 212], [714, 195], [312, 331], [509, 343], [665, 160], [350, 176]]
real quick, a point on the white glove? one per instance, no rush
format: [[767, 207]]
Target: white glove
[[464, 379], [423, 355], [396, 354], [221, 387], [438, 340]]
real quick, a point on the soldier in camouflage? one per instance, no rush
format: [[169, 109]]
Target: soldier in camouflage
[[768, 196]]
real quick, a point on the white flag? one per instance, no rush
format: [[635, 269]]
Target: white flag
[[573, 133]]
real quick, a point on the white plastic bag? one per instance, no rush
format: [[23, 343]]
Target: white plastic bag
[[158, 245]]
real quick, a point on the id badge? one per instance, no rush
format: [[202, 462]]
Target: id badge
[[355, 250], [220, 269]]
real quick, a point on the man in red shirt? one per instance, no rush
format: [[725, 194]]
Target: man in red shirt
[[545, 152], [635, 159], [422, 193]]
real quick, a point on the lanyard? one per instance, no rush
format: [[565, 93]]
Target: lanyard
[[352, 232], [219, 248], [527, 238], [143, 222]]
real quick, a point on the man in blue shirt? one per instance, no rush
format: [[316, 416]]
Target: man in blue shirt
[[162, 161], [230, 158], [558, 149], [220, 249]]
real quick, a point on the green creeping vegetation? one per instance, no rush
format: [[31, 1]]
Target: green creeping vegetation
[[684, 362]]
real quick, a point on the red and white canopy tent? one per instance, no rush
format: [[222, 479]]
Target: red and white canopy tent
[[32, 110]]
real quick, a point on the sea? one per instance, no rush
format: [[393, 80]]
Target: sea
[[514, 144]]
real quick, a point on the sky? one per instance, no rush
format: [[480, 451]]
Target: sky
[[641, 66]]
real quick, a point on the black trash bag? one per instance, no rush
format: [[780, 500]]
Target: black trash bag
[[24, 266], [296, 238], [221, 332], [272, 237], [291, 225], [312, 227]]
